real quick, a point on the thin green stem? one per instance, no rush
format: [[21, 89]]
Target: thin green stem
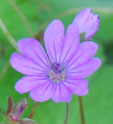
[[5, 68], [26, 23], [81, 110], [75, 10], [9, 36], [67, 113]]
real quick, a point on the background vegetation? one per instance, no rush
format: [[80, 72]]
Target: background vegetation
[[28, 18]]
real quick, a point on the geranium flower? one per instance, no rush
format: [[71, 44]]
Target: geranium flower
[[59, 72], [87, 22]]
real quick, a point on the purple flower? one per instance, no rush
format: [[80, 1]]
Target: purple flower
[[59, 73], [87, 22]]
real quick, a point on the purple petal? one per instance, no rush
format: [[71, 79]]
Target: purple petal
[[88, 23], [71, 43], [62, 93], [91, 31], [33, 50], [78, 87], [53, 38], [85, 52], [82, 16], [25, 65], [43, 92], [85, 69], [28, 83]]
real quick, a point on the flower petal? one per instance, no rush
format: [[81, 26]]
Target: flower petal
[[71, 43], [78, 87], [28, 83], [85, 69], [43, 92], [81, 17], [25, 65], [85, 52], [62, 93], [94, 26], [88, 23], [53, 38], [33, 50]]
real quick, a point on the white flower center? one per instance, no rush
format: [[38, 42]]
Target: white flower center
[[57, 73]]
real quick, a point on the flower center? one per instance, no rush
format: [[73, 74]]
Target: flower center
[[57, 73]]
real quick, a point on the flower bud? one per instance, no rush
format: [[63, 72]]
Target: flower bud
[[87, 22]]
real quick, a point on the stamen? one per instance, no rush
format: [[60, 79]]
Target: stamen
[[57, 73]]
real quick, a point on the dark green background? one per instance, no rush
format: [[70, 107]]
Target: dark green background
[[98, 104]]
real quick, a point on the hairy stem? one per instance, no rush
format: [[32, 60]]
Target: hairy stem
[[81, 110], [67, 113]]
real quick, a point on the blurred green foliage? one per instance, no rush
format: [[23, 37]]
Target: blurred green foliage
[[32, 17]]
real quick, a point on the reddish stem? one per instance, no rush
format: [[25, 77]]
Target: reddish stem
[[33, 110], [81, 110]]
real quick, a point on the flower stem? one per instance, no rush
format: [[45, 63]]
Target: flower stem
[[81, 110], [67, 113], [4, 70], [33, 110], [9, 36], [18, 10]]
